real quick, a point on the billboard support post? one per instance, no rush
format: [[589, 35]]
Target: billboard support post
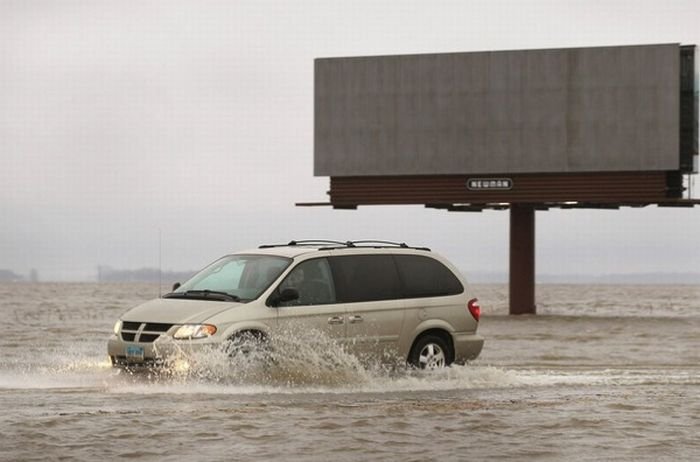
[[522, 259]]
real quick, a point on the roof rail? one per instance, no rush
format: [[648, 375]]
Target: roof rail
[[373, 241], [325, 244], [310, 242], [382, 244]]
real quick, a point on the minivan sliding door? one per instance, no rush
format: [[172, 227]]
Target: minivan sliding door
[[369, 287]]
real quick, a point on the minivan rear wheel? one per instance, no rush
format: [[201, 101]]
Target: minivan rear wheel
[[430, 352]]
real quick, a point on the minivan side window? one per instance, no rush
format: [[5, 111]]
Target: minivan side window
[[313, 280], [426, 277], [364, 278]]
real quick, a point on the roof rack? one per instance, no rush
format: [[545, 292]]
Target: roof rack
[[309, 242], [324, 244], [378, 243]]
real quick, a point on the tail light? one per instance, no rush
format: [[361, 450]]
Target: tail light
[[474, 308]]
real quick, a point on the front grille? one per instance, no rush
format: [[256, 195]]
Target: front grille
[[143, 332], [148, 338], [157, 327]]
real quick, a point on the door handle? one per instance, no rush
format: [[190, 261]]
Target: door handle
[[335, 320], [355, 319]]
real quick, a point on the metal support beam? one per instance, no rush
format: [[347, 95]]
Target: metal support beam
[[522, 259]]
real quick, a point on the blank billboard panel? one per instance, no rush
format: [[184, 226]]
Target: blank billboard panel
[[535, 111]]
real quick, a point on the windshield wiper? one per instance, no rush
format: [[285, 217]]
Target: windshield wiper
[[205, 294]]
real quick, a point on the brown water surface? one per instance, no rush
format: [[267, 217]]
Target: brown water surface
[[603, 373]]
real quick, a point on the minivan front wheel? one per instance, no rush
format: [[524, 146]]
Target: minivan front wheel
[[246, 343], [430, 352]]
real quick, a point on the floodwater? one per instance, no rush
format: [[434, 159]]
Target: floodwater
[[603, 373]]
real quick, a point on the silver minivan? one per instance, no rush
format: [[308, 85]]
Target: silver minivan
[[377, 299]]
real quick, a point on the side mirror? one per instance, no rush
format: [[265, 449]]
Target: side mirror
[[287, 295], [176, 286]]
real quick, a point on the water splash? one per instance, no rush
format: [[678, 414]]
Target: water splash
[[294, 357]]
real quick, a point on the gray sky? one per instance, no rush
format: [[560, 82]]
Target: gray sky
[[123, 120]]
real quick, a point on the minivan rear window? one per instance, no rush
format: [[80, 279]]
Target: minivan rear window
[[426, 277], [364, 278]]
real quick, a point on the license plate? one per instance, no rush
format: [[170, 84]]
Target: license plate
[[134, 353]]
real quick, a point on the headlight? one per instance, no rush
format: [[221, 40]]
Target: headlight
[[117, 326], [190, 331]]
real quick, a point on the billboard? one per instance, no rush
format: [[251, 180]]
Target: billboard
[[578, 110]]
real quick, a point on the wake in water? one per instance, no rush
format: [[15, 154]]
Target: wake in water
[[296, 361]]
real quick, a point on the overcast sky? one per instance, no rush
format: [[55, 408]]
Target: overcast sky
[[123, 120]]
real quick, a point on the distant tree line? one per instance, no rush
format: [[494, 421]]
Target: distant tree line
[[10, 276], [108, 274]]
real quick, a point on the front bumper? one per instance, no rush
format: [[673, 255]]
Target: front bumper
[[155, 354]]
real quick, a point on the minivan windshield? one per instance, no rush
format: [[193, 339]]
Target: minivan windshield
[[233, 278]]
